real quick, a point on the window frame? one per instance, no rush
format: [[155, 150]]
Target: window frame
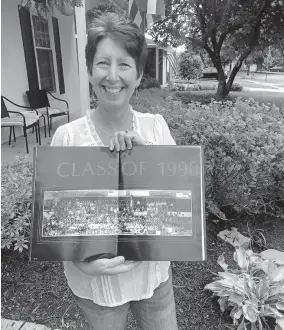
[[33, 12]]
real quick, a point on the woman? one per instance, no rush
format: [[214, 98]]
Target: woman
[[105, 289]]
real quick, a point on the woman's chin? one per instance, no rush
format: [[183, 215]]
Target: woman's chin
[[115, 104]]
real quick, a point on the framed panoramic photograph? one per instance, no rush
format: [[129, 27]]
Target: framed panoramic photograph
[[145, 204]]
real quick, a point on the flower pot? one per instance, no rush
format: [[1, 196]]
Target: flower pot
[[67, 9]]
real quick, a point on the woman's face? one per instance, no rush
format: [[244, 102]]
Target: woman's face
[[114, 75]]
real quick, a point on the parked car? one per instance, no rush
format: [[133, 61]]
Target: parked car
[[277, 69], [211, 73]]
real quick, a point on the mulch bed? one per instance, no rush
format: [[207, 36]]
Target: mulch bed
[[38, 292]]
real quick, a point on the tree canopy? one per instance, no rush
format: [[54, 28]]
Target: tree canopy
[[237, 27]]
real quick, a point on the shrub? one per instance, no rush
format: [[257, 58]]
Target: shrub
[[252, 292], [204, 98], [93, 101], [244, 151], [190, 66], [196, 86], [150, 98], [149, 82], [16, 201], [236, 87]]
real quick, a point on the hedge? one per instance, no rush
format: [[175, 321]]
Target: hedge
[[243, 147]]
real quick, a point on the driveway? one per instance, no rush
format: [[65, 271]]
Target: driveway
[[262, 96]]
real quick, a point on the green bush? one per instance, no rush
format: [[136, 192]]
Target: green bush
[[251, 292], [196, 86], [93, 101], [149, 82], [204, 98], [16, 201], [244, 152], [236, 87], [190, 66], [149, 98]]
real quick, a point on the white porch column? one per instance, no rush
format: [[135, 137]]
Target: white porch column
[[157, 63], [80, 19]]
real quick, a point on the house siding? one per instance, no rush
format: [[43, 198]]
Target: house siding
[[14, 72]]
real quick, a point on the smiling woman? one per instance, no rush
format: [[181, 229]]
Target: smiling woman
[[105, 289]]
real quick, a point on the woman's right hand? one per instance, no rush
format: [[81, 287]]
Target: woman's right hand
[[111, 266]]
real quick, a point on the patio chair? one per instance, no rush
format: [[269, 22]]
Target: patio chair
[[39, 101], [22, 118]]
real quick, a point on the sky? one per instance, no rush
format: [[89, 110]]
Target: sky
[[179, 49]]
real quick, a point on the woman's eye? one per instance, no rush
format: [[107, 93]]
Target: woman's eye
[[102, 63], [124, 64]]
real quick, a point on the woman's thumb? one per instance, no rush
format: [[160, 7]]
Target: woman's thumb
[[116, 261]]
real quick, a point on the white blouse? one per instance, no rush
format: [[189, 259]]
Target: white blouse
[[140, 282]]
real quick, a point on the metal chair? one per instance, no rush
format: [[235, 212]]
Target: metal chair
[[26, 119], [39, 101]]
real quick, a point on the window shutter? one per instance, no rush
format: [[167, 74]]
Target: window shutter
[[27, 36], [58, 55]]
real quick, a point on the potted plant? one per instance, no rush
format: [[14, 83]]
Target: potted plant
[[44, 7]]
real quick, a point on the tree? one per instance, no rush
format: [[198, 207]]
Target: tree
[[243, 25], [97, 11], [190, 66], [268, 62]]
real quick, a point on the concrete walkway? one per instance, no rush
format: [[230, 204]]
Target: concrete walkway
[[275, 88], [22, 325], [18, 148]]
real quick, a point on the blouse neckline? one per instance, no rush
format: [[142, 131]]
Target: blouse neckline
[[96, 140]]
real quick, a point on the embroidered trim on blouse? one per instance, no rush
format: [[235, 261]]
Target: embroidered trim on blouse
[[92, 129]]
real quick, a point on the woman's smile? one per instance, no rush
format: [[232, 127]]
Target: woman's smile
[[113, 90]]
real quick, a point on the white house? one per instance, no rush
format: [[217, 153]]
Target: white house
[[51, 56], [36, 54], [161, 62]]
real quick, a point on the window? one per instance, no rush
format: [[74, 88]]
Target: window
[[42, 50], [44, 54]]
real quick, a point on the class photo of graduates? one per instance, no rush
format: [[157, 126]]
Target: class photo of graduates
[[117, 212]]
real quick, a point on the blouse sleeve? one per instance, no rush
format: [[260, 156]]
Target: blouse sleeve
[[162, 132], [61, 137]]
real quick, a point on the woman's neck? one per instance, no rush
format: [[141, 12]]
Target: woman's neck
[[113, 120]]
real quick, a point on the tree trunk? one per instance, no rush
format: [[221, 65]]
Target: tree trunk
[[222, 90], [223, 87], [248, 70]]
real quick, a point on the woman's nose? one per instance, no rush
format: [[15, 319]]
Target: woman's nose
[[112, 73]]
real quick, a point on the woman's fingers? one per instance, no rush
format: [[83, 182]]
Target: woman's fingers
[[111, 145], [122, 268], [128, 141], [110, 263], [125, 139], [121, 139], [116, 142]]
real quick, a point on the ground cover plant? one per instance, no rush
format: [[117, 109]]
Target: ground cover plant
[[38, 292], [199, 86], [252, 291], [16, 199]]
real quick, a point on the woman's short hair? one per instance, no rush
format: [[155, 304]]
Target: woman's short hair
[[117, 28]]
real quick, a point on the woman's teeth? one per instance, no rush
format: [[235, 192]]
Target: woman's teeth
[[113, 90]]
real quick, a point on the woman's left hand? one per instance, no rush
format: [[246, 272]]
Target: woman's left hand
[[125, 140]]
